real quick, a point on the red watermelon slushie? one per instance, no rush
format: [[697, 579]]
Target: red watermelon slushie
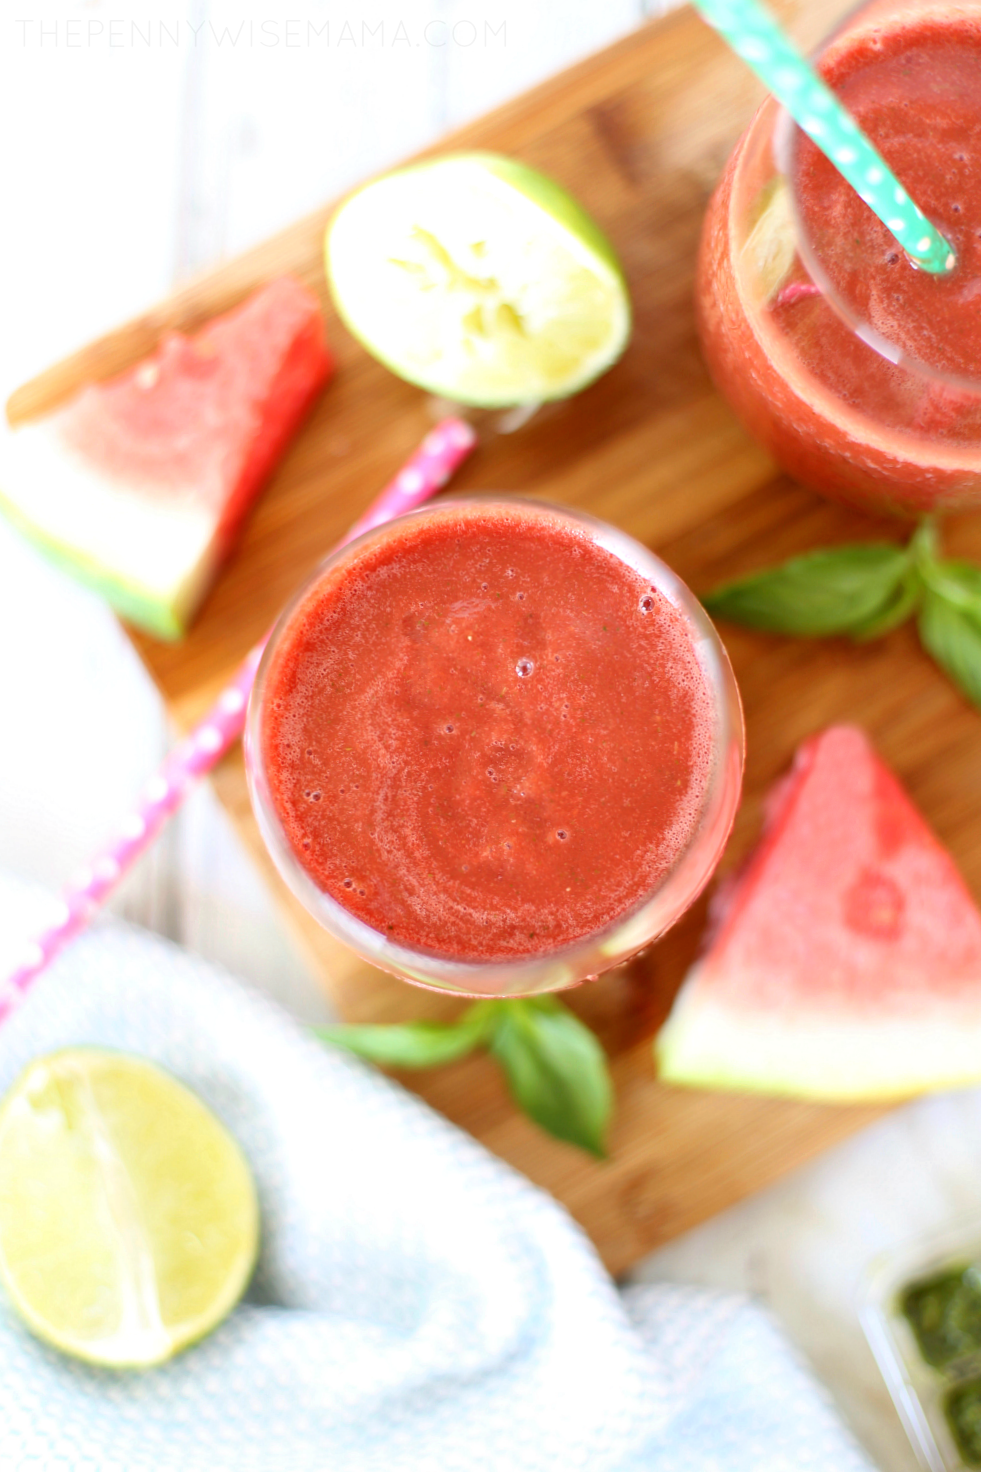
[[861, 373], [495, 747]]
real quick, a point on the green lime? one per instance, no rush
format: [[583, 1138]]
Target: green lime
[[480, 279], [129, 1224]]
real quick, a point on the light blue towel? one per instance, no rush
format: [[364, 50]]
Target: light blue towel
[[418, 1305]]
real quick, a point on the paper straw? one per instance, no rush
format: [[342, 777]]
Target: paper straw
[[755, 36], [443, 449]]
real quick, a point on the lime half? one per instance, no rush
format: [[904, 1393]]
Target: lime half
[[479, 279], [128, 1217], [771, 246]]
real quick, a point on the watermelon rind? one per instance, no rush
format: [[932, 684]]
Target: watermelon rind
[[93, 533], [818, 1055], [163, 621]]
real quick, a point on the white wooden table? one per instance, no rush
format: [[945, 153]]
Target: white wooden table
[[140, 147]]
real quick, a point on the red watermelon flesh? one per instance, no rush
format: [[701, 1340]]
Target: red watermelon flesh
[[844, 962], [140, 483]]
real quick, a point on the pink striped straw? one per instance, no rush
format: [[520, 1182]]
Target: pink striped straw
[[440, 453]]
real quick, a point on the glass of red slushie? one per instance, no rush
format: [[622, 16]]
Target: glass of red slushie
[[495, 747], [860, 372]]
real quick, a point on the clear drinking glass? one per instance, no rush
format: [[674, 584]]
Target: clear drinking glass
[[631, 931], [820, 367]]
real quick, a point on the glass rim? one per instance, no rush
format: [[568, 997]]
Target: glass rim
[[786, 142], [522, 974]]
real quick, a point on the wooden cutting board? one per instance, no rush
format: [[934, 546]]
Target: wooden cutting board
[[639, 133]]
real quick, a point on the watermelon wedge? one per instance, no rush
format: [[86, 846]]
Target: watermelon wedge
[[139, 484], [845, 959]]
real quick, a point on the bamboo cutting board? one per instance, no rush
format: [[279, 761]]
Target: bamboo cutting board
[[639, 133]]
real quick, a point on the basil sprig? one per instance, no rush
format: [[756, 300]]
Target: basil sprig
[[828, 592], [863, 591], [950, 624], [554, 1065]]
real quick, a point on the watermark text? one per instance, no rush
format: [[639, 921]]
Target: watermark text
[[115, 33]]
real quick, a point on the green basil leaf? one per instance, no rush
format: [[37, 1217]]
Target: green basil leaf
[[924, 544], [832, 591], [958, 583], [416, 1044], [904, 603], [953, 636], [556, 1070]]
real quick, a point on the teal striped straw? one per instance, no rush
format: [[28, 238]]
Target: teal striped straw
[[755, 36]]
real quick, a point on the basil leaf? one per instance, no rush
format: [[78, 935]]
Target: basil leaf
[[832, 591], [958, 583], [905, 602], [556, 1070], [924, 544], [953, 636], [416, 1044], [555, 1067]]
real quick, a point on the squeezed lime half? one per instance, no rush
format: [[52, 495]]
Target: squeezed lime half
[[478, 279]]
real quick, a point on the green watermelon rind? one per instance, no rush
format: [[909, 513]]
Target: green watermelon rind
[[164, 620], [818, 1056]]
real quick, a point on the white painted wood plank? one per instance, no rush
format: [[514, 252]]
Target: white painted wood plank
[[88, 175], [92, 187], [81, 726], [295, 110], [493, 52]]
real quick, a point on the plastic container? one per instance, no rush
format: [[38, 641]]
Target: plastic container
[[933, 1372]]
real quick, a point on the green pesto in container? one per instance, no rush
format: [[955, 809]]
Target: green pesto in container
[[944, 1313], [962, 1408]]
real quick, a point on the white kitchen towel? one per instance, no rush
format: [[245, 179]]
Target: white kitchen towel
[[417, 1305]]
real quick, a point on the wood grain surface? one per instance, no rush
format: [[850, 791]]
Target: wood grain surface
[[639, 133]]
